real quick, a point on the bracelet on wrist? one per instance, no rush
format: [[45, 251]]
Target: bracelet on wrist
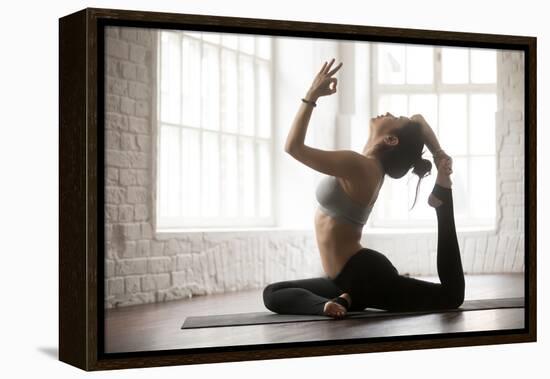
[[435, 154], [309, 102]]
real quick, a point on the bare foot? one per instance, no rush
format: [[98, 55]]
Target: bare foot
[[336, 310], [444, 171]]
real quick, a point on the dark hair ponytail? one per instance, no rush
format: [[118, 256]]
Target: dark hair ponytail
[[397, 160], [422, 167]]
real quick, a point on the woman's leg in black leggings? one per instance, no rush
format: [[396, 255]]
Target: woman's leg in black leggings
[[302, 296], [405, 293]]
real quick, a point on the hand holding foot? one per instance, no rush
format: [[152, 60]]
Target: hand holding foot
[[444, 171], [443, 161]]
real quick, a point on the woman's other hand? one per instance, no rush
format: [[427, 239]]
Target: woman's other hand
[[442, 157], [321, 85]]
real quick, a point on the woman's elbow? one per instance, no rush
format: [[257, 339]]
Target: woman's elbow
[[290, 149]]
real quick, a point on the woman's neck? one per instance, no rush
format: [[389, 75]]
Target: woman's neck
[[370, 153], [369, 150]]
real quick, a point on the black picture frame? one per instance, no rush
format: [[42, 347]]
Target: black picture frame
[[81, 183]]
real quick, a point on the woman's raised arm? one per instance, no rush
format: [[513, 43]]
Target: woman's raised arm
[[343, 163], [430, 139], [321, 86]]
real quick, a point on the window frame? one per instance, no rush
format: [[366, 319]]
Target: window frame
[[170, 223], [437, 87]]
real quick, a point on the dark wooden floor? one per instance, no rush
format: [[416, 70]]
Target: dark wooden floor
[[157, 326]]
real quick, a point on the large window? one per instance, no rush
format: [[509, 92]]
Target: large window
[[215, 130], [455, 89]]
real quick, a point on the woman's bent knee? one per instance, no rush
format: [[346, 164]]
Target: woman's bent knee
[[455, 300], [453, 296], [268, 294]]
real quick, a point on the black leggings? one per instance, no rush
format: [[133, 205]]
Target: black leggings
[[372, 281]]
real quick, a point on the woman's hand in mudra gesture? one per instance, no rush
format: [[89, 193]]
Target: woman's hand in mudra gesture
[[321, 85]]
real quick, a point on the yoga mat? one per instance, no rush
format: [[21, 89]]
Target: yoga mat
[[256, 318]]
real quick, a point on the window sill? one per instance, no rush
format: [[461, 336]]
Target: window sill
[[173, 233], [427, 230]]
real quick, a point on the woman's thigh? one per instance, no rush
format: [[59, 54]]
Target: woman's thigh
[[402, 293], [320, 286], [363, 276]]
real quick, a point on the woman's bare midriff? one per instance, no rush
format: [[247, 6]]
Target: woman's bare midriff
[[336, 241]]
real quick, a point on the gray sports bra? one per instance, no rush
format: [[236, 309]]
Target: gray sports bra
[[334, 201]]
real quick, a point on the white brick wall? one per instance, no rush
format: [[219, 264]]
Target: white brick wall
[[142, 268]]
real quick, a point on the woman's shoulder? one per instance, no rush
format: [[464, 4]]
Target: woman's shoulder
[[367, 167], [367, 180], [370, 167]]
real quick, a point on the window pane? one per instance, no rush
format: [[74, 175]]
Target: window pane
[[170, 171], [190, 172], [246, 44], [212, 37], [170, 78], [247, 185], [463, 121], [359, 133], [400, 202], [210, 174], [391, 63], [420, 64], [265, 178], [460, 187], [454, 65], [482, 123], [210, 88], [391, 203], [453, 127], [426, 105], [230, 40], [229, 91], [191, 85], [264, 100], [421, 211], [192, 34], [264, 47], [246, 92], [230, 176], [483, 187], [395, 104], [484, 65]]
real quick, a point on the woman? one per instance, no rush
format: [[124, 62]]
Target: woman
[[358, 277]]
